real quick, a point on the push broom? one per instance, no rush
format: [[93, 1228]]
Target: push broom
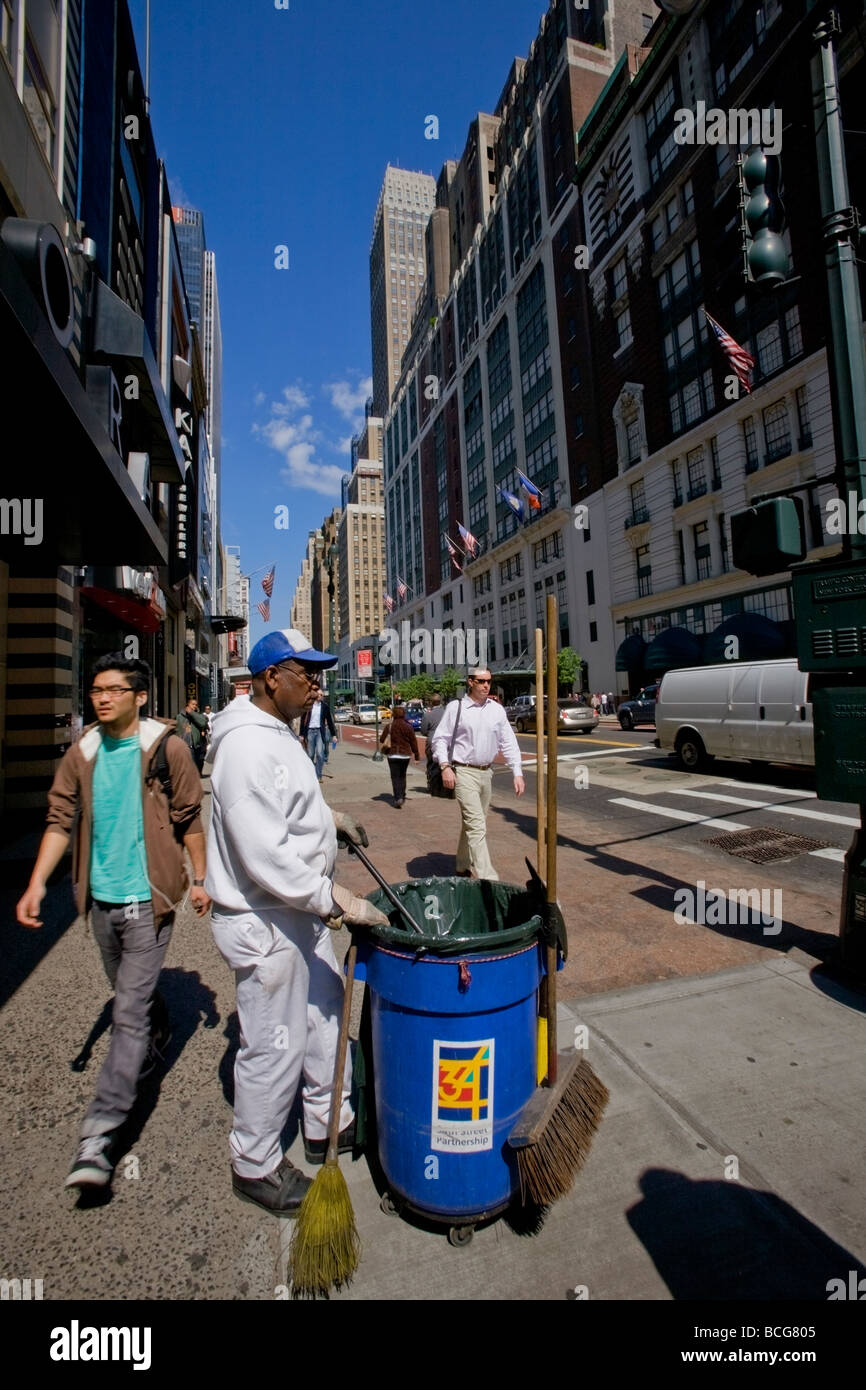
[[325, 1246], [553, 1135]]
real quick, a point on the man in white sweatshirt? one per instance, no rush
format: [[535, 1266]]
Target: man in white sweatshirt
[[271, 853]]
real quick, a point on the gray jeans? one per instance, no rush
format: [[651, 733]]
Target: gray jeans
[[132, 953]]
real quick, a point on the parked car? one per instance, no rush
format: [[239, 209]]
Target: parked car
[[343, 714], [574, 717], [522, 705], [364, 714], [758, 710], [640, 710]]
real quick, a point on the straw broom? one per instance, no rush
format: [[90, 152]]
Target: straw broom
[[325, 1246], [552, 1137]]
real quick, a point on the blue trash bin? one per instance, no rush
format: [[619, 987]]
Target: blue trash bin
[[453, 1028]]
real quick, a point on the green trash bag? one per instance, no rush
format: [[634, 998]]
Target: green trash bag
[[459, 915]]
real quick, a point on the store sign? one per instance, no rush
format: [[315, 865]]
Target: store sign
[[365, 663]]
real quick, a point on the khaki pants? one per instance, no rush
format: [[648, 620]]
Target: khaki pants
[[473, 797]]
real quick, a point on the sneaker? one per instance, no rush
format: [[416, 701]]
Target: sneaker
[[281, 1192], [315, 1149], [92, 1166]]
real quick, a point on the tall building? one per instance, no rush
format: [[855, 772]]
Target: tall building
[[397, 271], [481, 393], [189, 230], [362, 553], [302, 603], [237, 599], [323, 602]]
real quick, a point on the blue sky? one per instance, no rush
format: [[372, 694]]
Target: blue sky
[[278, 124]]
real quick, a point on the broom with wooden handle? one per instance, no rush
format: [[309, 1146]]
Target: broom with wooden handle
[[325, 1246], [556, 1127]]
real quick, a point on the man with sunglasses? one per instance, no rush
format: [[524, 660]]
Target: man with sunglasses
[[272, 849], [129, 828], [466, 759]]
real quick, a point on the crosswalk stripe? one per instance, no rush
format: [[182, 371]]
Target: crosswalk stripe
[[691, 818], [780, 791], [764, 806], [671, 814]]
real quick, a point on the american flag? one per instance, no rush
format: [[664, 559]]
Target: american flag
[[268, 583], [468, 540], [402, 591], [741, 360], [265, 609], [452, 551], [389, 602]]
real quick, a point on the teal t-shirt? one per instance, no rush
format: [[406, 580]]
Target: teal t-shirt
[[118, 861]]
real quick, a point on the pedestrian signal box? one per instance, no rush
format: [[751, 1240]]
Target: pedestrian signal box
[[830, 615], [768, 537]]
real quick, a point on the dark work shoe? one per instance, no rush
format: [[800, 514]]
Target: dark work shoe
[[92, 1166], [315, 1149], [280, 1193]]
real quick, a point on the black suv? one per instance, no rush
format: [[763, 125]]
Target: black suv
[[640, 710]]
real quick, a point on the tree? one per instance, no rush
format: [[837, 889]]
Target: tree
[[568, 664], [418, 687], [383, 693], [449, 683]]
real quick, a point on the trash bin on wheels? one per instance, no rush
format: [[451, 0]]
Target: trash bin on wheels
[[453, 1033]]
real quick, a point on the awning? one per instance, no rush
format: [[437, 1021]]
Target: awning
[[92, 512], [758, 638], [227, 622], [630, 653], [674, 646], [128, 611]]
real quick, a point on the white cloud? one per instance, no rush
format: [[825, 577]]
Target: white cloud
[[259, 398], [349, 399], [294, 436]]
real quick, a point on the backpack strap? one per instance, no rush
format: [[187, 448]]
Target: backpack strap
[[160, 769]]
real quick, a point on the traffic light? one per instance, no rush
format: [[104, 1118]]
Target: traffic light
[[769, 537], [766, 257]]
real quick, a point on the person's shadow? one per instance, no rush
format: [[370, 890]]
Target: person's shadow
[[190, 1003], [722, 1240]]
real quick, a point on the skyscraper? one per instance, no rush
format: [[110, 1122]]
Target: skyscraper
[[397, 271], [189, 230]]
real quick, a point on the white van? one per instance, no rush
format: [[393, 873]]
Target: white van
[[748, 709]]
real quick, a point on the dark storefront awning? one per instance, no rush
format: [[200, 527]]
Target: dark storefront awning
[[673, 647], [630, 653], [227, 622], [758, 639], [91, 510], [145, 617]]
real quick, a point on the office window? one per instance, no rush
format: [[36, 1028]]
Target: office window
[[623, 328], [593, 632], [637, 495], [644, 571], [702, 549], [803, 419], [696, 472], [750, 439], [590, 587], [777, 431]]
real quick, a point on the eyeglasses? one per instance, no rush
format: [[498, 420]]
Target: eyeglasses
[[310, 676], [114, 692], [481, 680]]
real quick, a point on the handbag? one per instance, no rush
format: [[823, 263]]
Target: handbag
[[435, 785], [385, 740]]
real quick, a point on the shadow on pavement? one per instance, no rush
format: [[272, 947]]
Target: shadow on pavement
[[24, 948], [720, 1240]]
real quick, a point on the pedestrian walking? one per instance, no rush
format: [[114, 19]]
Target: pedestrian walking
[[398, 737], [603, 698], [596, 702], [429, 723], [316, 729], [128, 795], [273, 844], [611, 702], [193, 729], [472, 731]]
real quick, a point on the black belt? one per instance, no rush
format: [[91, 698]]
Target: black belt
[[479, 767]]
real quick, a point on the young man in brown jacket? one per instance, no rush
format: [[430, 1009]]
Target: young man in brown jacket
[[130, 812]]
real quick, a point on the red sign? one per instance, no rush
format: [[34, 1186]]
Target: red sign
[[365, 663]]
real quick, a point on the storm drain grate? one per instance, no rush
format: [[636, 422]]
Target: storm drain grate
[[761, 844]]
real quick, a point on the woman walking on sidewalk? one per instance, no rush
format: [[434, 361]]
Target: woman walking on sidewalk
[[401, 743]]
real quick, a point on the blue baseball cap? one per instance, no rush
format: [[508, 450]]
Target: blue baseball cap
[[275, 647]]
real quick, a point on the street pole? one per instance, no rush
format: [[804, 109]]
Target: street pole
[[847, 375]]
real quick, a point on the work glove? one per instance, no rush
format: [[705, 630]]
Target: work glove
[[349, 832], [354, 912]]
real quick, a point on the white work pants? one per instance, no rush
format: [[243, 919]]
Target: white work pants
[[473, 797], [290, 997]]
